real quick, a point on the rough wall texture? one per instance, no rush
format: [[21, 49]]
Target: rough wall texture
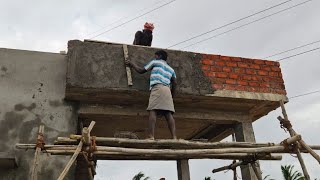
[[32, 92], [242, 74], [101, 65]]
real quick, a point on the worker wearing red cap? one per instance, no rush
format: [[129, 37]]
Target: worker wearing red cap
[[144, 37]]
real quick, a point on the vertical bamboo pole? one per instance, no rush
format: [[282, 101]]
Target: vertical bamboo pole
[[292, 133], [76, 153], [36, 154]]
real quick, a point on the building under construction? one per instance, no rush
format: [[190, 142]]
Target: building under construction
[[216, 97]]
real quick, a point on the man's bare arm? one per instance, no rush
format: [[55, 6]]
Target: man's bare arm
[[137, 68], [173, 86]]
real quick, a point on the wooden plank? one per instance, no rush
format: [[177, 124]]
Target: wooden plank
[[128, 70], [36, 155]]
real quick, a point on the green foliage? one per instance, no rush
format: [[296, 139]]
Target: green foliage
[[289, 174], [207, 178], [139, 176]]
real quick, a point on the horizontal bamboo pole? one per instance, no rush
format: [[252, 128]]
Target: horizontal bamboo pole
[[130, 156], [145, 143]]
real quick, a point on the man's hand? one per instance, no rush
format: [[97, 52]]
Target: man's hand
[[137, 68]]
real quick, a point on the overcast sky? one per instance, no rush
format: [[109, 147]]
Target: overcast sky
[[48, 25]]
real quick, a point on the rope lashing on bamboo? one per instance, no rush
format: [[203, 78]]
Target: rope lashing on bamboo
[[40, 141], [284, 124], [293, 147], [93, 146]]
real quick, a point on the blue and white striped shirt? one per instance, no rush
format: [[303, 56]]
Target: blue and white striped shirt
[[161, 72]]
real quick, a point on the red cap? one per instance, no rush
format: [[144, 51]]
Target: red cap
[[148, 26]]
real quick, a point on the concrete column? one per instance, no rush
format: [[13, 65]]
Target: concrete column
[[183, 169], [244, 133]]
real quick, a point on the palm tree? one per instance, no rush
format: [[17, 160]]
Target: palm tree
[[288, 174], [139, 176]]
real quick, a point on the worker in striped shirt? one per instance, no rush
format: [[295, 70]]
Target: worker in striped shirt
[[162, 87]]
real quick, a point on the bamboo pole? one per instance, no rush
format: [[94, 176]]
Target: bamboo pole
[[121, 155], [36, 154], [256, 171], [292, 133], [89, 167], [75, 155]]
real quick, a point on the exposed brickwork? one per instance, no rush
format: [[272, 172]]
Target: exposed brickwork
[[243, 74]]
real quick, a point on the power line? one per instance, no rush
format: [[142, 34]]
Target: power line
[[292, 49], [247, 23], [104, 27], [298, 54], [133, 19], [305, 94], [228, 24]]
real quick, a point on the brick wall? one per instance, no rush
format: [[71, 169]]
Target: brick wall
[[243, 74]]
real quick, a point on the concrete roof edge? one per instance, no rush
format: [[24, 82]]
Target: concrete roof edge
[[249, 95]]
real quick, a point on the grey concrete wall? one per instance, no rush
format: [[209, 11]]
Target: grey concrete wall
[[32, 86], [101, 66]]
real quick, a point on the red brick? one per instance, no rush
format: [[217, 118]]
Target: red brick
[[218, 80], [277, 64], [263, 73], [221, 75], [266, 79], [271, 63], [217, 86], [207, 62], [220, 63], [226, 58], [239, 70], [254, 66], [254, 84], [258, 61], [252, 89], [265, 68], [230, 87], [216, 69], [214, 57], [274, 74], [209, 74], [231, 64], [248, 61], [241, 88], [243, 83], [234, 76], [231, 81], [265, 90], [243, 65], [236, 58], [226, 69], [250, 71], [277, 86], [246, 77], [266, 85], [205, 67], [204, 56], [256, 78], [276, 69], [276, 79], [280, 91]]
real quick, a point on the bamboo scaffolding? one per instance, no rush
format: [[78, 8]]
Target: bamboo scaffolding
[[77, 151], [37, 152], [292, 133]]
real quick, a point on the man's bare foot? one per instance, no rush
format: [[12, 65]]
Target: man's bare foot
[[174, 138]]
